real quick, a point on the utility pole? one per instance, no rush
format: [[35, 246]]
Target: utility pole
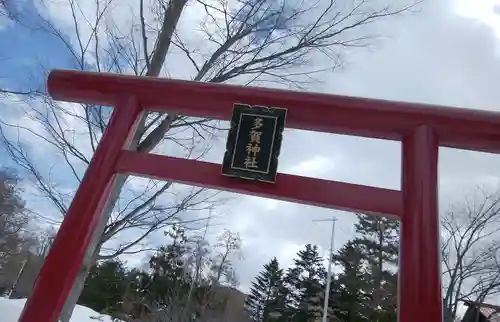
[[329, 274], [11, 290]]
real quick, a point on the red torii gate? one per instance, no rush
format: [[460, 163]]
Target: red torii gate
[[421, 128]]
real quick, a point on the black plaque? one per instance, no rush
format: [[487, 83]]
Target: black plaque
[[254, 142]]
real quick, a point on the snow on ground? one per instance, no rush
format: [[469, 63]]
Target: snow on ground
[[11, 309]]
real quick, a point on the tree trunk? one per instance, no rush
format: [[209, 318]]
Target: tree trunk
[[91, 255], [170, 20], [378, 273], [77, 288]]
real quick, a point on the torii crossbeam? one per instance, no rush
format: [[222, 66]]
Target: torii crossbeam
[[420, 128]]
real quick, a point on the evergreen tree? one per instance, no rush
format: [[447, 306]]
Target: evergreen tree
[[104, 287], [352, 297], [379, 238], [165, 286], [305, 281], [263, 299], [169, 277], [377, 248]]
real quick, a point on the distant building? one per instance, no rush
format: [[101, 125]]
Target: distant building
[[481, 312]]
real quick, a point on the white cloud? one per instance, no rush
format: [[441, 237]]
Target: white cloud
[[486, 11], [313, 167]]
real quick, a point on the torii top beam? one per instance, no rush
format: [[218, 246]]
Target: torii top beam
[[455, 127]]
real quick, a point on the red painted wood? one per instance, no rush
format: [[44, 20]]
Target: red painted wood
[[311, 191], [455, 127], [68, 250], [420, 261]]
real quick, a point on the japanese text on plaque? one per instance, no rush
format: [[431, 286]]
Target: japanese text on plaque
[[253, 146]]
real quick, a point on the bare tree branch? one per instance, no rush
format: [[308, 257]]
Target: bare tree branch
[[470, 250]]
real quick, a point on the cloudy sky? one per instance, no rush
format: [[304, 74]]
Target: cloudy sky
[[446, 53]]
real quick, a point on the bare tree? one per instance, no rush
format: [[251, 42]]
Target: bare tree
[[470, 250], [181, 285], [216, 279], [212, 278], [228, 248], [13, 218], [6, 8], [197, 263], [14, 241], [243, 41]]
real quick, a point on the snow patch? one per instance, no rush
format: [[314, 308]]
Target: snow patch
[[11, 310]]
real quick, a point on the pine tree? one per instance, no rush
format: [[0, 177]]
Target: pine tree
[[169, 278], [105, 287], [378, 242], [351, 298], [379, 238], [264, 299], [305, 281]]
